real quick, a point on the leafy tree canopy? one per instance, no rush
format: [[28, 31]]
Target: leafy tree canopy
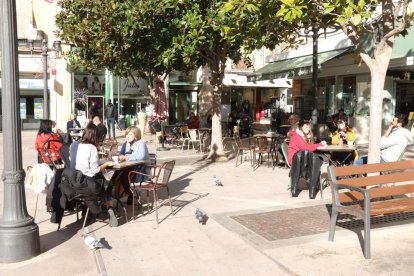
[[123, 36]]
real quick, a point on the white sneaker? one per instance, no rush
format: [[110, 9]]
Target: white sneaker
[[113, 221]]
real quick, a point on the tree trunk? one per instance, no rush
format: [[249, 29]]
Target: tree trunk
[[216, 150], [378, 69]]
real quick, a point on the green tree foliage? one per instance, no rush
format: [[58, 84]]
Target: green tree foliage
[[127, 37], [213, 31], [151, 37], [376, 22]]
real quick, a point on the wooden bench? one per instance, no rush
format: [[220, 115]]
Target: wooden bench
[[371, 190]]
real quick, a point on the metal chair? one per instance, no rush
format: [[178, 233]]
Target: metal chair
[[195, 139], [160, 180], [262, 147], [49, 151], [243, 145], [284, 147], [184, 138]]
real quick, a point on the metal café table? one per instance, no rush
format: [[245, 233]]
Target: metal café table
[[116, 172], [76, 133], [328, 151]]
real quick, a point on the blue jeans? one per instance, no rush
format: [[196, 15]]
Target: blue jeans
[[110, 122], [364, 160]]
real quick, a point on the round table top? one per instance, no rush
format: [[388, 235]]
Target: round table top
[[268, 135], [337, 148]]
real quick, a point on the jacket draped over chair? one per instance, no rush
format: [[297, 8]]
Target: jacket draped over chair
[[306, 165]]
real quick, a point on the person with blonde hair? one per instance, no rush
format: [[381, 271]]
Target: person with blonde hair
[[136, 150]]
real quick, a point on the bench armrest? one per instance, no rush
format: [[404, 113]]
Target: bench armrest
[[364, 192]]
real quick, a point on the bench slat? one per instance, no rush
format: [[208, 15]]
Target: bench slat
[[372, 168], [346, 197], [378, 179], [390, 206]]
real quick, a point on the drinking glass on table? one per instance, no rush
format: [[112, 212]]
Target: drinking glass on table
[[115, 158]]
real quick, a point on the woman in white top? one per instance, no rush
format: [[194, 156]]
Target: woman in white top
[[87, 162]]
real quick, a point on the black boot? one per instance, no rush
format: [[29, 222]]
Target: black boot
[[129, 200]]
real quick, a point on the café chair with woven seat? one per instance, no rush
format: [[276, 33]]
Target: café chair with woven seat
[[154, 183], [243, 146], [261, 148]]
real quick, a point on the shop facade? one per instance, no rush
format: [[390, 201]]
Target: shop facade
[[92, 91]]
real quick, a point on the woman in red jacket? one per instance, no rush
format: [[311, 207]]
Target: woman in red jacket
[[45, 134], [302, 139]]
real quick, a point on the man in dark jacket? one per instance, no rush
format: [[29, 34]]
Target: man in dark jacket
[[110, 119], [101, 128]]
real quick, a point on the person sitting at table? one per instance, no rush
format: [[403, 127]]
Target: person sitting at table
[[302, 139], [45, 134], [303, 162], [342, 136], [73, 122], [293, 122], [339, 116], [87, 161], [136, 150], [102, 131], [193, 121], [393, 142]]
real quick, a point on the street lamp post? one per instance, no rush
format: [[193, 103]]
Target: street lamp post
[[315, 34], [315, 30], [45, 85], [19, 234]]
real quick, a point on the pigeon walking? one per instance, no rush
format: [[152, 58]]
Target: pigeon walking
[[201, 216], [217, 181], [91, 242]]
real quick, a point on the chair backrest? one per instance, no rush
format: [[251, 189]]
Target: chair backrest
[[284, 147], [50, 151], [108, 148], [193, 134], [165, 172], [261, 142], [403, 152], [245, 143], [184, 131]]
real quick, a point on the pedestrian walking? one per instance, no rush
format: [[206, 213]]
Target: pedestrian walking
[[142, 120], [110, 119]]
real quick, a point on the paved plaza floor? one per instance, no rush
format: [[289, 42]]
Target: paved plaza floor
[[254, 227]]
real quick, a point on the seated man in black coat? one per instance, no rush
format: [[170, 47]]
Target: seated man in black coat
[[102, 131]]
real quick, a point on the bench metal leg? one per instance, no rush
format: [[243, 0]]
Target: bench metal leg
[[332, 225], [367, 237]]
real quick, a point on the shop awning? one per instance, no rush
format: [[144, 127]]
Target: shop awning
[[184, 83], [297, 66]]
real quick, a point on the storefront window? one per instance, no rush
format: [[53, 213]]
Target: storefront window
[[347, 97]]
